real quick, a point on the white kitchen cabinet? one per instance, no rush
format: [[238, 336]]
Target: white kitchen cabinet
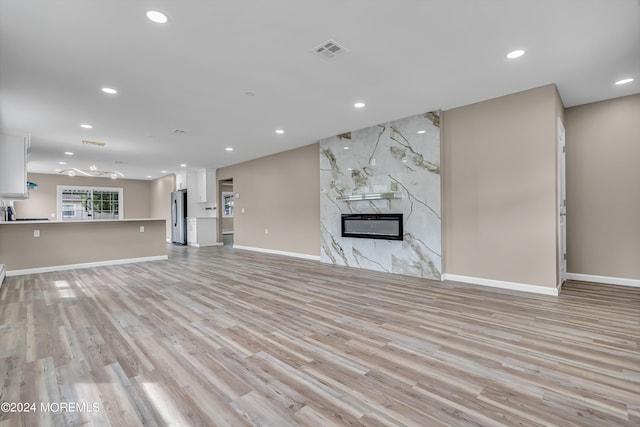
[[191, 231], [181, 180], [201, 232], [205, 186], [13, 167]]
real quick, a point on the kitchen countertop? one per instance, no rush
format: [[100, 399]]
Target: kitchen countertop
[[75, 221]]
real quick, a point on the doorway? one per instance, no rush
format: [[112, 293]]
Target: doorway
[[562, 206], [225, 218]]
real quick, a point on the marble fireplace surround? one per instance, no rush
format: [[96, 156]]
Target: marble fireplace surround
[[395, 167]]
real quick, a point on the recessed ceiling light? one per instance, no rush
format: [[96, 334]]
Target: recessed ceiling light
[[183, 165], [163, 171], [229, 149], [624, 81], [86, 126], [109, 90], [68, 153], [421, 131], [157, 17], [149, 176], [57, 170], [346, 147], [62, 163], [359, 105], [280, 131], [515, 54]]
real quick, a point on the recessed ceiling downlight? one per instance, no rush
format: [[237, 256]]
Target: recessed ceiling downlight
[[422, 131], [515, 54], [157, 17], [86, 126], [229, 148], [624, 81], [279, 131], [109, 90], [359, 105]]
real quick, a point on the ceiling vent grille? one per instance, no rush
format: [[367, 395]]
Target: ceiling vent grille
[[178, 131], [96, 143], [330, 50]]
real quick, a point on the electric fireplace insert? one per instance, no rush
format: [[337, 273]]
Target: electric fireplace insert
[[372, 226]]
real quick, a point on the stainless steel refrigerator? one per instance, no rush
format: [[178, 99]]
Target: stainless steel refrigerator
[[179, 217]]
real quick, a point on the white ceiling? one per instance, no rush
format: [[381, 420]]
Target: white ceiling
[[405, 57]]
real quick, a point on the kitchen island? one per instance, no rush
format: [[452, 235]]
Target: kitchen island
[[39, 246]]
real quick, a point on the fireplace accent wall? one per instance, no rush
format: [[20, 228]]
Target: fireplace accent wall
[[372, 226], [391, 168]]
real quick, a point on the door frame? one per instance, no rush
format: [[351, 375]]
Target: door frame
[[561, 203]]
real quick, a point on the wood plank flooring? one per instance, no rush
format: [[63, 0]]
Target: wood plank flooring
[[223, 337]]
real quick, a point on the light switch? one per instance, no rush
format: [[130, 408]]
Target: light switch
[[142, 228], [36, 233], [242, 210]]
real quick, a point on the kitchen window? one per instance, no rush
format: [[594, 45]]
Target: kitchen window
[[89, 203]]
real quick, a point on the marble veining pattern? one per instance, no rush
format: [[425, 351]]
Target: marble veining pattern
[[390, 157]]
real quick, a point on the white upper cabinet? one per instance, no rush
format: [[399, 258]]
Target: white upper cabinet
[[205, 186], [13, 166]]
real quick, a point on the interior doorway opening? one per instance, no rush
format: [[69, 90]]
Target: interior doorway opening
[[226, 211]]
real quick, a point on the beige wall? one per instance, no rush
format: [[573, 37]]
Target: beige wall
[[161, 190], [280, 193], [67, 243], [499, 188], [603, 177], [42, 201], [227, 223]]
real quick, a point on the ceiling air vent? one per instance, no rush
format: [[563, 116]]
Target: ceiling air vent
[[330, 49], [178, 131], [96, 143]]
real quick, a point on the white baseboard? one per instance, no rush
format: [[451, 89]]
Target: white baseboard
[[84, 265], [604, 279], [276, 252], [514, 286], [198, 245], [2, 274]]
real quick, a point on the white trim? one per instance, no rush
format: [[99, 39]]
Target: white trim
[[604, 279], [514, 286], [2, 274], [84, 265], [277, 252], [198, 245]]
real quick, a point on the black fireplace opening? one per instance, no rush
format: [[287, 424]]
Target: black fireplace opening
[[372, 226]]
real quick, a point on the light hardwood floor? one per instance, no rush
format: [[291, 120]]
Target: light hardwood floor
[[216, 336]]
